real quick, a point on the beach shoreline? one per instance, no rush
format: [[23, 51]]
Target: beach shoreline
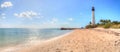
[[29, 43], [83, 40]]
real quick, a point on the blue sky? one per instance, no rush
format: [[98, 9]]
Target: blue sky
[[55, 13]]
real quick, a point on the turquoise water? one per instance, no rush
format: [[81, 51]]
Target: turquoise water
[[13, 36]]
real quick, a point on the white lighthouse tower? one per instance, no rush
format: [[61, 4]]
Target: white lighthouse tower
[[93, 16]]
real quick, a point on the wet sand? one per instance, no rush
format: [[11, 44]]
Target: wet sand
[[84, 40]]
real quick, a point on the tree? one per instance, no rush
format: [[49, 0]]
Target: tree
[[116, 22], [90, 23], [103, 22]]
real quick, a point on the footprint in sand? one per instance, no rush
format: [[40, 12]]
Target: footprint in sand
[[117, 42]]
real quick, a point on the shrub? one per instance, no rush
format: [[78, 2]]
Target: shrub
[[115, 26], [90, 26], [107, 25]]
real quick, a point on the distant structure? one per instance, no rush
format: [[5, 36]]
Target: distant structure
[[93, 16]]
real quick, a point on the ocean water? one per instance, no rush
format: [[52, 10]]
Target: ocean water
[[14, 36]]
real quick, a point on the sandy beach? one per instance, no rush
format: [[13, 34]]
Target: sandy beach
[[84, 40]]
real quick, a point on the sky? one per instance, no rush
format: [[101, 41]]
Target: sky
[[55, 13]]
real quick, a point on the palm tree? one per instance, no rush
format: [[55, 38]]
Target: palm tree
[[105, 21]]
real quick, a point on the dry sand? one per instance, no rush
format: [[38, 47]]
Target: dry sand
[[84, 40]]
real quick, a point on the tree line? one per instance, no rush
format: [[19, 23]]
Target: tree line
[[105, 24]]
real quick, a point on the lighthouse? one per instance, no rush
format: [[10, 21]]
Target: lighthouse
[[93, 16]]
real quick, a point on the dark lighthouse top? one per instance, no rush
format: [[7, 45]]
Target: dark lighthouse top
[[93, 9]]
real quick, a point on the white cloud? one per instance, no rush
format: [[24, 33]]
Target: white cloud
[[52, 23], [2, 16], [54, 20], [6, 4], [70, 19], [28, 14]]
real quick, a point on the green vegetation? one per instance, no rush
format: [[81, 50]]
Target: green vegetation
[[105, 24], [91, 26]]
